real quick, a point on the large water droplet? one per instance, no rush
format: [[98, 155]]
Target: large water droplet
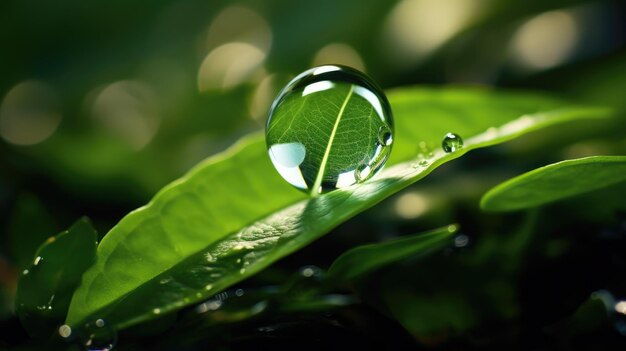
[[327, 127], [99, 335], [451, 142]]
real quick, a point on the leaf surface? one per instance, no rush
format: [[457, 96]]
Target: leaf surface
[[46, 287], [361, 260], [555, 182], [233, 215]]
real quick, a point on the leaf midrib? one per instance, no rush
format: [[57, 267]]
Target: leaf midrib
[[320, 174]]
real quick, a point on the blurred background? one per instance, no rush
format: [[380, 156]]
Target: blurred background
[[102, 103]]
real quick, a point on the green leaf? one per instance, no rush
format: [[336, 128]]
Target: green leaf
[[555, 182], [363, 259], [46, 287], [233, 215]]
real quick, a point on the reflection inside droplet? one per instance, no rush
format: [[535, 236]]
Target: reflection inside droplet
[[65, 331], [451, 142], [286, 158]]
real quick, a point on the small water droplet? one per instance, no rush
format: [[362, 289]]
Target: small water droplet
[[208, 287], [242, 271], [451, 142], [424, 150], [38, 259], [25, 272], [156, 311], [311, 271], [461, 240], [422, 163], [211, 305], [318, 149], [65, 331], [239, 292], [385, 137], [214, 305], [99, 335]]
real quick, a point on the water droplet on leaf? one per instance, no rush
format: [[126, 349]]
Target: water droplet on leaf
[[422, 163], [461, 240], [451, 142], [65, 331], [326, 127], [99, 335], [311, 271], [38, 259]]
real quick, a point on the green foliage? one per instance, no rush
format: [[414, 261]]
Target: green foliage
[[46, 287], [555, 182], [207, 231], [365, 259]]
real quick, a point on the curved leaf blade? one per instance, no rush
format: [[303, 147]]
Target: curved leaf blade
[[361, 260], [555, 182], [46, 287], [207, 231]]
